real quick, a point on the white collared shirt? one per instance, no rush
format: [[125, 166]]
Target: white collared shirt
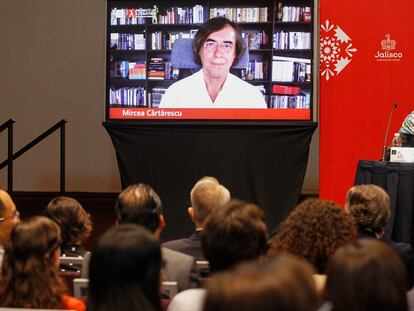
[[191, 92]]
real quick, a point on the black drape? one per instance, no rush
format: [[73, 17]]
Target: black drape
[[261, 164]]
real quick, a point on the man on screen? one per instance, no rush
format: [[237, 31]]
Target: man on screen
[[216, 47]]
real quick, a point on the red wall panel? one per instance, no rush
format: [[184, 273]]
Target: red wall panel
[[355, 103]]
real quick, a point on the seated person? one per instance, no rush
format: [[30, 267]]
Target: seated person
[[285, 282], [9, 217], [232, 234], [370, 206], [407, 131], [30, 270], [206, 195], [125, 270], [75, 225], [366, 275], [313, 231], [216, 47]]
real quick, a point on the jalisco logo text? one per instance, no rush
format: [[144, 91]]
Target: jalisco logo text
[[387, 45], [150, 113]]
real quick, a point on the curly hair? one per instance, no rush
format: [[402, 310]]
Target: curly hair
[[313, 231], [370, 206], [29, 272], [74, 222]]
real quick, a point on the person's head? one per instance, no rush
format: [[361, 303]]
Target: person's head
[[285, 281], [29, 272], [217, 46], [313, 231], [140, 204], [366, 275], [124, 270], [234, 233], [73, 220], [370, 206], [206, 195], [9, 216]]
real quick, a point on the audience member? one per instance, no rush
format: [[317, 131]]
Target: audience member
[[9, 217], [140, 204], [366, 275], [284, 283], [232, 234], [75, 226], [30, 270], [206, 195], [313, 231], [370, 206], [125, 271]]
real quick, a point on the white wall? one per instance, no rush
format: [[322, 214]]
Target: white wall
[[52, 58]]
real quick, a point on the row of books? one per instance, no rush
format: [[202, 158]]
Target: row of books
[[290, 69], [256, 40], [183, 15], [242, 15], [293, 13], [127, 41], [256, 70], [161, 40], [128, 96], [130, 16], [158, 69], [300, 101], [155, 96], [292, 40], [128, 70]]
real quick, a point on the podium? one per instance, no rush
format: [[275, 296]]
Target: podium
[[398, 180]]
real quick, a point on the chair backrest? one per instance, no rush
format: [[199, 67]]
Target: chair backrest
[[170, 289], [182, 55], [80, 287], [71, 260]]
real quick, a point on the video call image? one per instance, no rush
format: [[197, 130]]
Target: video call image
[[206, 62]]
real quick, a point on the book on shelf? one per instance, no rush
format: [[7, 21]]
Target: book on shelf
[[255, 40], [289, 69], [299, 101], [128, 70], [158, 69], [183, 15], [292, 40], [127, 96], [127, 41], [285, 89], [155, 96], [242, 15], [293, 13], [126, 17]]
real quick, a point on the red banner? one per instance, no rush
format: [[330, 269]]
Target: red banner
[[217, 114], [367, 64]]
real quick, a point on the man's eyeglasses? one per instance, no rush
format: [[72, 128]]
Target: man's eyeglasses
[[226, 47], [14, 216]]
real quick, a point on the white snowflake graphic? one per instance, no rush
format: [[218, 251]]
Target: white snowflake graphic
[[336, 50]]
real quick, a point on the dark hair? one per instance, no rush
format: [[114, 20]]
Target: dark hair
[[213, 25], [73, 220], [313, 231], [285, 281], [139, 204], [234, 233], [124, 271], [366, 275], [29, 272]]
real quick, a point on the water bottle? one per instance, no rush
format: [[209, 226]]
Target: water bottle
[[396, 141]]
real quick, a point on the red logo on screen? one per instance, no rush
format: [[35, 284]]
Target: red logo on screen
[[336, 50]]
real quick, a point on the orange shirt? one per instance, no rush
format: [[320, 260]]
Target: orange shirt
[[72, 303]]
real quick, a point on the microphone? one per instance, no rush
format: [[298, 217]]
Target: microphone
[[384, 148]]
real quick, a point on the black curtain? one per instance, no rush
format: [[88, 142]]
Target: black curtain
[[261, 164]]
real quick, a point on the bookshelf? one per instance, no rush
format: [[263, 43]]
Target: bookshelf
[[280, 36]]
